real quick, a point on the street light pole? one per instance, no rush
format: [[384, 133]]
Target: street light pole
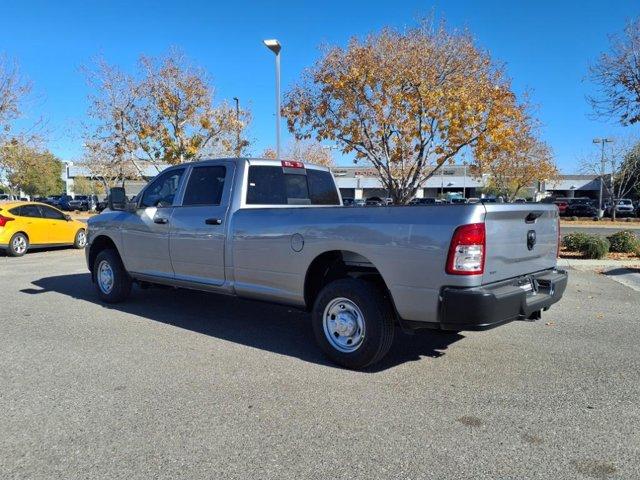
[[601, 141], [275, 47], [235, 99]]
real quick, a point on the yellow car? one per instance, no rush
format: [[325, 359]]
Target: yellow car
[[25, 225]]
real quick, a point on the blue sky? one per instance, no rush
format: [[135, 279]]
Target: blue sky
[[546, 46]]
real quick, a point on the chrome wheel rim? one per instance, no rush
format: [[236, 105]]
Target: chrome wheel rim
[[105, 277], [344, 325], [19, 244], [81, 239]]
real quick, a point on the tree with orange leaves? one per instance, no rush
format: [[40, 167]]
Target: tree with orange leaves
[[304, 151], [163, 115], [511, 172], [407, 102]]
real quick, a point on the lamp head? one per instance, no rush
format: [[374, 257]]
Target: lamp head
[[273, 45]]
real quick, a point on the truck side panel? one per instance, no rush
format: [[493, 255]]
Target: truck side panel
[[408, 245]]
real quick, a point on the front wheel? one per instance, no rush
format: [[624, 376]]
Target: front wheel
[[353, 322], [111, 279]]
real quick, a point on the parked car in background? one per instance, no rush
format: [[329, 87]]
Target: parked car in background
[[458, 200], [5, 197], [359, 202], [520, 200], [562, 204], [53, 200], [83, 203], [28, 225], [423, 201], [276, 231], [374, 202], [581, 209], [347, 202], [102, 204], [623, 207]]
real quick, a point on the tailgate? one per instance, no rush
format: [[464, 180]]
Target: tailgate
[[521, 239]]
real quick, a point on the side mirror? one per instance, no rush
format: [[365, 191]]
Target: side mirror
[[117, 198], [67, 217]]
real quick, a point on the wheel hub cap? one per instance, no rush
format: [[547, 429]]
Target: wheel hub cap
[[105, 277], [344, 325], [19, 245]]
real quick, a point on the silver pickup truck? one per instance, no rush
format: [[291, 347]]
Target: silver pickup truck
[[277, 231]]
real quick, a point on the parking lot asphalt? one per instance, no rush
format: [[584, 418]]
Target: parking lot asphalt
[[178, 384]]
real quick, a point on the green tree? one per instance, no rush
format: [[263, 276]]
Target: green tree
[[86, 186], [30, 170]]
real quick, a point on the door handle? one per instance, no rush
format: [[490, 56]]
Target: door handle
[[161, 220], [213, 221]]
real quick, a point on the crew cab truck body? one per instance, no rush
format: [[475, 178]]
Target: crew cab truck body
[[276, 231]]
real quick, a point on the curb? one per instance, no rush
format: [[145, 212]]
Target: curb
[[582, 264], [603, 225]]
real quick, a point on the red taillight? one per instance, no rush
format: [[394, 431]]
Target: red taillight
[[467, 250], [559, 239], [4, 220], [291, 164]]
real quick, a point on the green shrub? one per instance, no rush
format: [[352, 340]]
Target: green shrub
[[624, 241], [595, 247], [574, 242]]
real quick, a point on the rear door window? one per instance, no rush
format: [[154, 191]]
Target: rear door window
[[32, 211], [205, 186], [270, 185], [266, 186]]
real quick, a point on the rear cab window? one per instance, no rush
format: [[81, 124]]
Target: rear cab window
[[278, 185]]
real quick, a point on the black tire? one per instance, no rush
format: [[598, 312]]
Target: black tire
[[13, 250], [121, 285], [77, 241], [376, 308]]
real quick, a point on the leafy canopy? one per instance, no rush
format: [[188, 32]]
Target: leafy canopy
[[407, 103]]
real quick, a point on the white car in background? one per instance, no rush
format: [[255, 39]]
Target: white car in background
[[624, 208]]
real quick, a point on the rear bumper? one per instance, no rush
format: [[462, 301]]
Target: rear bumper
[[488, 306]]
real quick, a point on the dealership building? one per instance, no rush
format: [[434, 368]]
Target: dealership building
[[362, 183]]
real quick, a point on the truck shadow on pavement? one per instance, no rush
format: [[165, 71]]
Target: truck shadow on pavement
[[275, 328]]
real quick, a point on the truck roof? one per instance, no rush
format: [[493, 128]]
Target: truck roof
[[256, 161]]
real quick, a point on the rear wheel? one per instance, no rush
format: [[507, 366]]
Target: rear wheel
[[18, 245], [353, 322], [81, 239], [111, 279]]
